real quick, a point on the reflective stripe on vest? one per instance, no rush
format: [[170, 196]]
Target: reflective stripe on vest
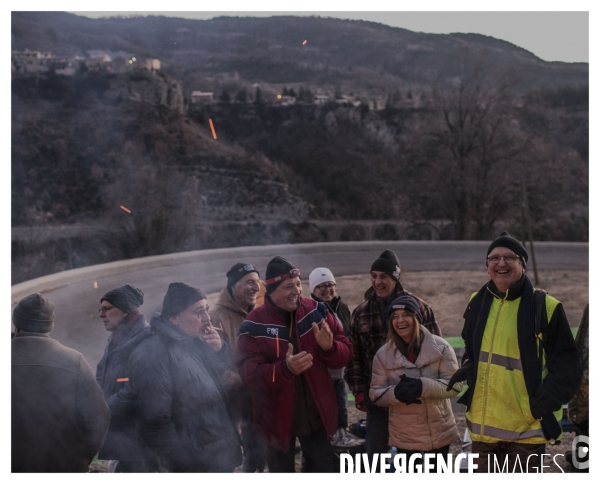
[[505, 361], [503, 434]]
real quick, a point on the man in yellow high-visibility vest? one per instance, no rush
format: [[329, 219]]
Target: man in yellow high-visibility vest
[[519, 371]]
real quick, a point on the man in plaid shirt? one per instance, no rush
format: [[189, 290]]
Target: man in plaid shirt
[[368, 330]]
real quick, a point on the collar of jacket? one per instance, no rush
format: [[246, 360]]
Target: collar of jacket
[[138, 326], [169, 330], [286, 314], [514, 292], [21, 334], [226, 301], [429, 352], [372, 296], [333, 305]]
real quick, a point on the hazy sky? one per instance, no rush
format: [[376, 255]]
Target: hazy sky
[[551, 35]]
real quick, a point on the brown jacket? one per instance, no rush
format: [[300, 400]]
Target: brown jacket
[[228, 316], [429, 425], [59, 417]]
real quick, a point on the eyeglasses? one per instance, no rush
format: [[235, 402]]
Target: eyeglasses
[[105, 309], [325, 287], [509, 259], [202, 311]]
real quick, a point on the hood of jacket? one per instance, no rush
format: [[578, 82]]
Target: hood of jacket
[[226, 301]]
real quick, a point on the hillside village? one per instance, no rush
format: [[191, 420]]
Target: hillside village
[[32, 63]]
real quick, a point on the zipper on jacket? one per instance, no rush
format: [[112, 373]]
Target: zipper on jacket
[[489, 364]]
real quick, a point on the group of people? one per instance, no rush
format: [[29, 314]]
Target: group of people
[[208, 390]]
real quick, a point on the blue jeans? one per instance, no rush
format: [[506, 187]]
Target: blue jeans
[[342, 397], [377, 434]]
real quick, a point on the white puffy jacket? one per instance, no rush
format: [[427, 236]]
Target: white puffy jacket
[[431, 424]]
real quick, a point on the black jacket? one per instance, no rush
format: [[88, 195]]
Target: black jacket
[[122, 441], [179, 399]]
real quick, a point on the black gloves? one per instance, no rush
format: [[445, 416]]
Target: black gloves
[[537, 410], [550, 426], [408, 390], [460, 375]]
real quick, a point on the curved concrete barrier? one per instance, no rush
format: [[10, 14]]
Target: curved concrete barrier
[[77, 292], [342, 258]]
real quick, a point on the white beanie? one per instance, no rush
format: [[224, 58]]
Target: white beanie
[[319, 276]]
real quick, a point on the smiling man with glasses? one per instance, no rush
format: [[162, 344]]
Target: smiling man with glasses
[[520, 364], [176, 387]]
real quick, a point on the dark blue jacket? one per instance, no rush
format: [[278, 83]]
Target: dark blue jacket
[[180, 401], [122, 441]]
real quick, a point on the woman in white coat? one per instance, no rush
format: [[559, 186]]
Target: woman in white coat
[[410, 374]]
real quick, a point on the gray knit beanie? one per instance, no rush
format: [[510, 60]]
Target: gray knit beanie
[[127, 298], [34, 314]]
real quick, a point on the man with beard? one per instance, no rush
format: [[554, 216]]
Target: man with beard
[[521, 364], [175, 385], [284, 349], [238, 298], [368, 331]]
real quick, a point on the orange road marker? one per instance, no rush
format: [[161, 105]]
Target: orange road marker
[[124, 208], [95, 285], [212, 128], [305, 42], [122, 380]]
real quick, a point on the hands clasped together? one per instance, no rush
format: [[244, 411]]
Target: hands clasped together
[[408, 390]]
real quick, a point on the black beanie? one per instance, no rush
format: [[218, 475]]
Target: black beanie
[[409, 304], [388, 262], [34, 314], [127, 298], [278, 269], [238, 271], [179, 297], [505, 240]]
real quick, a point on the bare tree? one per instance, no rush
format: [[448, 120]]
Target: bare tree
[[473, 141]]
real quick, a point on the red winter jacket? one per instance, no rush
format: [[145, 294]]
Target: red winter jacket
[[270, 380]]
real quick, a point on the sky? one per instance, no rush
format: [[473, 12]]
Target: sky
[[552, 36]]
